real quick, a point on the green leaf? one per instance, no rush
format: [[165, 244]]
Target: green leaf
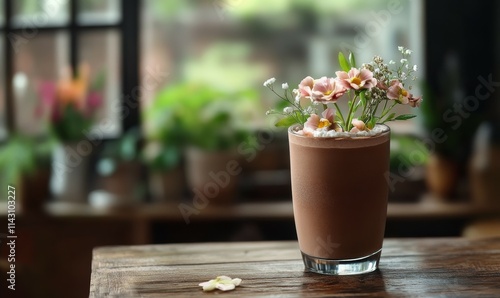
[[285, 122], [362, 98], [371, 123], [405, 117], [344, 64], [390, 117], [352, 60]]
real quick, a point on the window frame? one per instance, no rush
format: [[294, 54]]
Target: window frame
[[128, 28]]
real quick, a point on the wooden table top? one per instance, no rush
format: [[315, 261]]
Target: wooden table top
[[426, 267]]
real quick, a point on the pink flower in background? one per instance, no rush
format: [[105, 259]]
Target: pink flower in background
[[327, 90], [397, 92], [94, 100], [357, 79]]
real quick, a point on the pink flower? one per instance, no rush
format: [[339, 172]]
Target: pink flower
[[311, 124], [397, 92], [315, 122], [357, 79], [358, 125], [329, 114], [305, 86], [327, 90]]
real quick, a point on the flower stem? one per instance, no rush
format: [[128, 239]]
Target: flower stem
[[349, 115], [340, 114]]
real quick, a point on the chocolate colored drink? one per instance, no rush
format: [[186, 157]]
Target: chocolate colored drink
[[339, 191]]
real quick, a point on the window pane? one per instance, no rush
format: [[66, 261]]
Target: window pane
[[101, 51], [99, 11], [2, 18], [36, 64], [3, 115], [39, 13], [241, 43]]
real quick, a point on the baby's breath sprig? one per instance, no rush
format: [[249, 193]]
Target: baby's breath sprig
[[293, 113]]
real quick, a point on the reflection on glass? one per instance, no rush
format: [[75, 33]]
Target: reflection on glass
[[3, 115], [34, 66], [98, 11], [39, 13], [100, 50]]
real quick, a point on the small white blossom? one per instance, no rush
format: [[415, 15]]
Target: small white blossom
[[392, 62], [284, 86], [404, 60], [408, 52], [415, 67], [269, 82], [401, 49], [223, 283], [287, 110], [406, 66], [403, 76]]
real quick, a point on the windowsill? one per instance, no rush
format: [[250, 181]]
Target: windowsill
[[427, 208]]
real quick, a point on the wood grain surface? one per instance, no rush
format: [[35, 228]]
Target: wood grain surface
[[427, 267]]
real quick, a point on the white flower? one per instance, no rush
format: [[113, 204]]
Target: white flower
[[287, 110], [269, 82], [404, 61], [284, 86], [223, 283], [415, 67], [408, 52], [392, 62], [401, 49]]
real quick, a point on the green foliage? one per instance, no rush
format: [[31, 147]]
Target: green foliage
[[71, 125], [196, 115], [21, 155], [344, 64], [404, 148]]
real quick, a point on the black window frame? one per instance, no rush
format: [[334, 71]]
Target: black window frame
[[127, 26]]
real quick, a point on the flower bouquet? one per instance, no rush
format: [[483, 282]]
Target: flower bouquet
[[339, 161], [71, 104]]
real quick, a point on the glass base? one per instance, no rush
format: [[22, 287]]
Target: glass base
[[342, 267]]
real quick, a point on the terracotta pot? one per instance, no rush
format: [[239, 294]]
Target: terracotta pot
[[441, 177], [484, 175], [213, 175], [339, 190], [167, 186]]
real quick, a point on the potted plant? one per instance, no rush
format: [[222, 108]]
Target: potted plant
[[215, 126], [208, 124], [165, 140], [71, 105], [25, 165], [119, 171], [339, 160]]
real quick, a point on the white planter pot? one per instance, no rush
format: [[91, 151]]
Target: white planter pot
[[70, 163]]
